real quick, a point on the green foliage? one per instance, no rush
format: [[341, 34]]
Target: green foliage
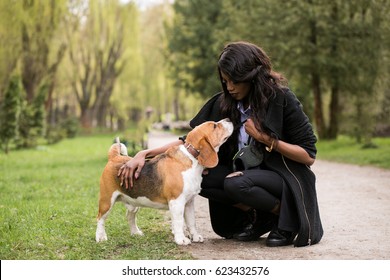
[[97, 40], [108, 60], [335, 51], [32, 122], [39, 24], [9, 113], [48, 208], [193, 47], [10, 16], [66, 128], [55, 134], [30, 29], [71, 126]]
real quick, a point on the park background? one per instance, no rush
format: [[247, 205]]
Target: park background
[[75, 73]]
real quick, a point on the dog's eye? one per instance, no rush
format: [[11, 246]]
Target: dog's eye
[[215, 125]]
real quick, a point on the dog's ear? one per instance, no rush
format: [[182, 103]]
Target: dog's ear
[[207, 157]]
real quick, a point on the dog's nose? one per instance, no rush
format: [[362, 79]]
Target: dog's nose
[[226, 121], [228, 125]]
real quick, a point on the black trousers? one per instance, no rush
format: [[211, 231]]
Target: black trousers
[[225, 218], [260, 189]]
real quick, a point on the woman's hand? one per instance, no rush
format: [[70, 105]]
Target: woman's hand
[[291, 151], [259, 136], [235, 174], [132, 169]]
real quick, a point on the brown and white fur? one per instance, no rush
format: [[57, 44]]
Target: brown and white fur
[[168, 181]]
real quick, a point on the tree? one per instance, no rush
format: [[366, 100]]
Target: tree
[[32, 120], [329, 48], [193, 48], [366, 35], [95, 38], [40, 20], [10, 17], [9, 113], [294, 33]]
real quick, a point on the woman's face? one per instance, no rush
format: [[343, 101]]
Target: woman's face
[[237, 90]]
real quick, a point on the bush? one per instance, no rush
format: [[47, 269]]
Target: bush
[[71, 126], [9, 113], [68, 128], [55, 134]]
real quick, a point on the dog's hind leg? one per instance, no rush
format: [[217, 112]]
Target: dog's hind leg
[[100, 229], [131, 215], [176, 207], [189, 215], [105, 205]]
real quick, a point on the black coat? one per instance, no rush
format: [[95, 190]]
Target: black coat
[[285, 119]]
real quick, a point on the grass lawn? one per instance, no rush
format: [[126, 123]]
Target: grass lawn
[[48, 208], [49, 199], [346, 150]]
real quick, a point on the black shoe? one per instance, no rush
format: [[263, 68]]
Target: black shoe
[[278, 237], [255, 229]]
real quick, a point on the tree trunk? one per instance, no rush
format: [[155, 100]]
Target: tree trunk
[[318, 112], [176, 107], [101, 115], [333, 128], [316, 83], [85, 118]]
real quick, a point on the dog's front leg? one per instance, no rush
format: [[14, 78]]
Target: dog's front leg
[[189, 214], [176, 207]]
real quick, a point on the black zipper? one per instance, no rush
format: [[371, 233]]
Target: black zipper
[[303, 201]]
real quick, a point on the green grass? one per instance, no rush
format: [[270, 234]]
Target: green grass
[[48, 208], [348, 151], [49, 199]]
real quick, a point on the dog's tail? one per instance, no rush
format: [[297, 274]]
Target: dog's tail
[[117, 149]]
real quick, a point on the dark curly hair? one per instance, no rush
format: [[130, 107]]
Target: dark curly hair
[[244, 62]]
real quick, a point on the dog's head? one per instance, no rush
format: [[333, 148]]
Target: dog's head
[[207, 138]]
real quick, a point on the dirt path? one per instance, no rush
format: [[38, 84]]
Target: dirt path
[[355, 210]]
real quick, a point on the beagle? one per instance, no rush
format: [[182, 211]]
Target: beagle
[[168, 181]]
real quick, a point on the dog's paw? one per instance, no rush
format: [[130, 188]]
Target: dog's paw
[[101, 237], [182, 240], [138, 232], [197, 238]]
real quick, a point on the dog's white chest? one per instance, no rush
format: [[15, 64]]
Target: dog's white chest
[[192, 179]]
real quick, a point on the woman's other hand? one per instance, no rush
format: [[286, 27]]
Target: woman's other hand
[[131, 170]]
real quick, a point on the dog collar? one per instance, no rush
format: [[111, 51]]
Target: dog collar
[[194, 152]]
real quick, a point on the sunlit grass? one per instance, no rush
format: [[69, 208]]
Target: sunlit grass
[[49, 195], [346, 150], [48, 208]]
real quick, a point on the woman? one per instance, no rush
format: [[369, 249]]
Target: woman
[[278, 195]]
